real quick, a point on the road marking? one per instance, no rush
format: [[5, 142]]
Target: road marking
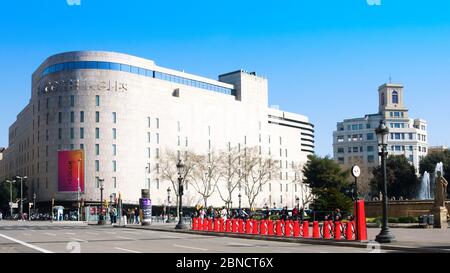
[[190, 247], [109, 232], [70, 233], [91, 233], [131, 232], [26, 244], [237, 244], [50, 234], [125, 238], [128, 250], [78, 240]]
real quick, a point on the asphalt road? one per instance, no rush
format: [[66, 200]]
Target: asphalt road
[[33, 237]]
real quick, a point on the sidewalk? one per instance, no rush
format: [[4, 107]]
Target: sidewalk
[[408, 240]]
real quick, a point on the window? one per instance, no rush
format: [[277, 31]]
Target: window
[[395, 97], [48, 102], [157, 152], [340, 139], [383, 99], [97, 100], [72, 117], [114, 180], [371, 159], [157, 123], [59, 117], [97, 149], [370, 148], [97, 165], [370, 136], [81, 133], [72, 100], [148, 122], [114, 147], [157, 183], [114, 117], [82, 116], [114, 164], [97, 133], [340, 150], [59, 101], [59, 133], [97, 182], [114, 133], [148, 183], [82, 146], [72, 133]]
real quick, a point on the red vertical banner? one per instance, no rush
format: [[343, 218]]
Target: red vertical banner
[[360, 220], [70, 170]]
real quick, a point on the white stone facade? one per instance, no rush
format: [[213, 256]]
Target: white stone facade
[[355, 140], [146, 112]]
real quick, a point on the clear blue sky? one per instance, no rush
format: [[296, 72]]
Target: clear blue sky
[[323, 58]]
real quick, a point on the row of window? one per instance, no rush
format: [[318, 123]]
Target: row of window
[[135, 70], [81, 133], [358, 137]]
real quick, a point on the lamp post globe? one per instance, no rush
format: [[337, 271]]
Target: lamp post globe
[[382, 132]]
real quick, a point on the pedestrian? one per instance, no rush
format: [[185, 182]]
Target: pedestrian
[[131, 216], [295, 214], [136, 215], [301, 214], [124, 214], [224, 213], [337, 215]]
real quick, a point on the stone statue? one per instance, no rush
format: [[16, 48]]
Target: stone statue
[[441, 190], [439, 210]]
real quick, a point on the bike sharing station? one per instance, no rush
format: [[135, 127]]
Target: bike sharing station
[[352, 230]]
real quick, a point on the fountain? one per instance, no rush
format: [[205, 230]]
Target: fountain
[[425, 187]]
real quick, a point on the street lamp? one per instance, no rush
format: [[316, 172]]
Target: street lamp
[[34, 203], [382, 132], [180, 168], [239, 196], [168, 205], [101, 220], [21, 194], [10, 196]]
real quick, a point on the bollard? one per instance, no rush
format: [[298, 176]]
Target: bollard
[[234, 225], [279, 228], [287, 229], [349, 231], [255, 227], [248, 228], [194, 223], [210, 224], [337, 230], [326, 230], [263, 227], [240, 226], [316, 232], [216, 225], [305, 229], [222, 225], [296, 229], [228, 225], [200, 224], [270, 228]]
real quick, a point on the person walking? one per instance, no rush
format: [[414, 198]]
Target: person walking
[[132, 216], [224, 213], [136, 215]]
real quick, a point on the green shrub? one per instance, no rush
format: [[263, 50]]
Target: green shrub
[[408, 219]]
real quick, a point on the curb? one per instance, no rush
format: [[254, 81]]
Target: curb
[[366, 245]]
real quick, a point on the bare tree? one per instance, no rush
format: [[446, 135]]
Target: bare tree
[[255, 172], [229, 174], [167, 168], [205, 174], [306, 194]]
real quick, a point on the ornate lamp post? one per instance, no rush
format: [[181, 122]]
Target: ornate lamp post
[[101, 220], [21, 195], [382, 132], [168, 205], [180, 168]]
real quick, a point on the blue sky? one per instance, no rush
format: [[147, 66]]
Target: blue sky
[[323, 58]]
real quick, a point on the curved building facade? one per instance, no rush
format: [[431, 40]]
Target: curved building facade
[[124, 111]]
